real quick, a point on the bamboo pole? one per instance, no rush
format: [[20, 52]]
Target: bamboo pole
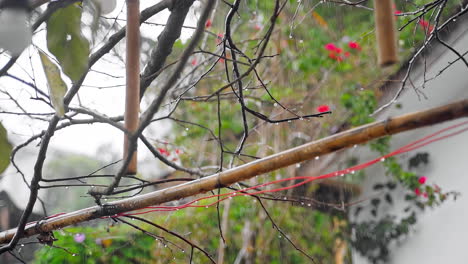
[[386, 32], [132, 97], [288, 157]]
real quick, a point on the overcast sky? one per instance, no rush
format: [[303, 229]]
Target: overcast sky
[[84, 139]]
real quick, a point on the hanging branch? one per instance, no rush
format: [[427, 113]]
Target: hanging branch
[[132, 97], [298, 154], [386, 32]]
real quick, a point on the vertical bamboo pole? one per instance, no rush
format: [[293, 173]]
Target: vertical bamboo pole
[[132, 97], [386, 32]]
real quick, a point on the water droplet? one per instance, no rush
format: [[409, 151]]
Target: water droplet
[[275, 104], [279, 236], [183, 251], [66, 187], [317, 158], [352, 172], [165, 245], [284, 198], [230, 197], [309, 205], [22, 245], [341, 175], [355, 146], [276, 123], [73, 255], [301, 118], [298, 165], [382, 159], [206, 206], [186, 129], [290, 36], [301, 41], [289, 121], [302, 203]]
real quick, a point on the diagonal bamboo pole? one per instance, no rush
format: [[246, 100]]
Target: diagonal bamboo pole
[[288, 157]]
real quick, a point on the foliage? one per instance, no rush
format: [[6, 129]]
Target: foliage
[[118, 243], [114, 245], [65, 41], [6, 148], [57, 87]]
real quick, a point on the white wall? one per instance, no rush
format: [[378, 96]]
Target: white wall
[[441, 234]]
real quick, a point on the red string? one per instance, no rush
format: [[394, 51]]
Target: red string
[[306, 179]]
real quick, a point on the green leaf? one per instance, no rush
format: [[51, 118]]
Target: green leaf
[[57, 87], [5, 149], [65, 41]]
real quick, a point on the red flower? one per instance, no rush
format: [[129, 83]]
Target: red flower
[[354, 45], [219, 38], [257, 26], [178, 151], [422, 180], [346, 54], [333, 56], [194, 62], [208, 23], [397, 12], [425, 195], [330, 47], [417, 192], [164, 152], [323, 108], [426, 25]]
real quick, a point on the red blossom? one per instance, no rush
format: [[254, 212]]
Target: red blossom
[[208, 23], [397, 12], [178, 151], [347, 54], [354, 45], [425, 195], [417, 192], [257, 26], [164, 152], [219, 38], [426, 25], [323, 108], [330, 47], [334, 56], [422, 180], [194, 62]]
